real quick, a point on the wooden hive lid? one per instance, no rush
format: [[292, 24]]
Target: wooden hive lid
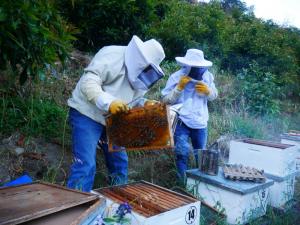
[[30, 201], [265, 143]]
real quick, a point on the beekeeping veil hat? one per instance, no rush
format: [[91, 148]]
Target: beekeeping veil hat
[[142, 61], [193, 58]]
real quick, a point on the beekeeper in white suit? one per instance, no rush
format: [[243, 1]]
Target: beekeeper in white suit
[[116, 76], [188, 90]]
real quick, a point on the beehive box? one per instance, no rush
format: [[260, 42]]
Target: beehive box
[[282, 192], [241, 201], [142, 128], [274, 158], [153, 205], [48, 204], [293, 138]]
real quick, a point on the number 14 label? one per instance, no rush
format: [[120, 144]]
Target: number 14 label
[[191, 215]]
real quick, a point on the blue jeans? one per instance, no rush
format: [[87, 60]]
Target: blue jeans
[[85, 136], [182, 147]]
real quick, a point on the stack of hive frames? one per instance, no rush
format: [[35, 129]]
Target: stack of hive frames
[[242, 173], [145, 198]]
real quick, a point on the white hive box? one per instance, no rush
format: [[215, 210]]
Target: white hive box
[[152, 205], [282, 191], [288, 138], [274, 158], [241, 201]]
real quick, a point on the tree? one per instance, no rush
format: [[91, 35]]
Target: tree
[[32, 35], [102, 22]]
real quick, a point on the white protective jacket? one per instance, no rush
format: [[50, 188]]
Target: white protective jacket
[[113, 74], [191, 107], [103, 81]]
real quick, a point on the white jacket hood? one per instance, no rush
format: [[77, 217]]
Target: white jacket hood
[[139, 55]]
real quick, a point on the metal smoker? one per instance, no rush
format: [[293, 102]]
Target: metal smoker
[[208, 159]]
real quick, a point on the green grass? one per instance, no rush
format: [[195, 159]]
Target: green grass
[[241, 125], [32, 117]]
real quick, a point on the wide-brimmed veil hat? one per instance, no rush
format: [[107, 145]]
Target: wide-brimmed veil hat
[[193, 58]]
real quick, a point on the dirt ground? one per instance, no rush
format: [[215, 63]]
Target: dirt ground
[[43, 160], [39, 159]]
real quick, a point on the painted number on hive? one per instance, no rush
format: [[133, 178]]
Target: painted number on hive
[[263, 194], [191, 215]]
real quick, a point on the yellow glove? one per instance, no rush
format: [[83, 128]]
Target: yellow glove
[[183, 82], [117, 106], [202, 88]]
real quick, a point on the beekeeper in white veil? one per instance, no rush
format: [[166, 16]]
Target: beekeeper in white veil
[[188, 90], [116, 76]]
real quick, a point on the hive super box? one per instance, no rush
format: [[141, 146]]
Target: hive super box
[[241, 200], [152, 204], [291, 139], [276, 159]]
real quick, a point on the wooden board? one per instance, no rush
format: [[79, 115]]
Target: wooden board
[[26, 202], [243, 173], [145, 198], [142, 128], [294, 133], [266, 143]]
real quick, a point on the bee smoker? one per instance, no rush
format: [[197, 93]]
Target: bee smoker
[[208, 160]]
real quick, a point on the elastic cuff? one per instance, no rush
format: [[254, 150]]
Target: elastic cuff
[[104, 100], [211, 94]]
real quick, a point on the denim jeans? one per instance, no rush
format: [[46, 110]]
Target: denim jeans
[[182, 147], [85, 136]]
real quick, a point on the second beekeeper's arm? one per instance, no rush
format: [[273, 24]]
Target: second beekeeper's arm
[[173, 89]]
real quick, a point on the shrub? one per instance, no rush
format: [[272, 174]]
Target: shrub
[[32, 34], [259, 90], [33, 117], [231, 36], [265, 43], [189, 26], [103, 22]]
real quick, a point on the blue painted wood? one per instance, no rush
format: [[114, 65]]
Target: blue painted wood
[[239, 187]]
